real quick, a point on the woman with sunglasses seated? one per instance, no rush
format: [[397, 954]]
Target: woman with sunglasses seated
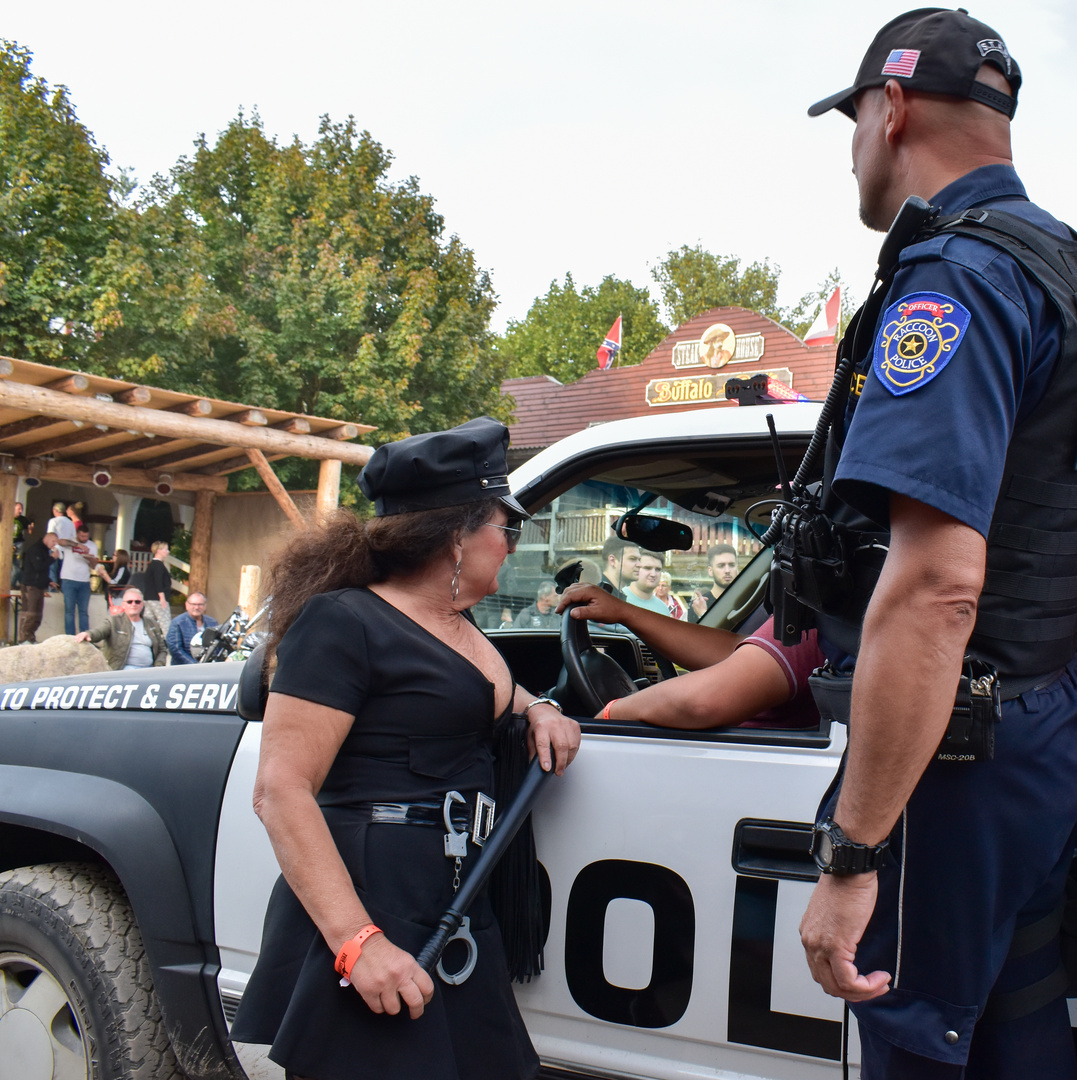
[[131, 639]]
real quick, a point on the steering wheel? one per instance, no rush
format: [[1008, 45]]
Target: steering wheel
[[592, 676]]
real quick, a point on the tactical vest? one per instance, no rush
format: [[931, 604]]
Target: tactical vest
[[1027, 619]]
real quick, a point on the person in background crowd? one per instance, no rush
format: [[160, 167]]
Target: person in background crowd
[[75, 580], [665, 593], [64, 528], [185, 626], [74, 513], [118, 578], [541, 613], [132, 639], [20, 531], [641, 592], [620, 561], [722, 567], [37, 559], [158, 585]]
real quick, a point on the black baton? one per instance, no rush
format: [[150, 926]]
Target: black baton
[[505, 828]]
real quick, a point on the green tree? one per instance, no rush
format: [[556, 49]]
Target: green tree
[[55, 212], [298, 277], [563, 329], [692, 281], [800, 317]]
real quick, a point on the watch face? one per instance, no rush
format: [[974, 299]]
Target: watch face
[[824, 848]]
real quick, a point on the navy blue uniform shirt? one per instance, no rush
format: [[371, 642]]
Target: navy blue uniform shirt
[[981, 341]]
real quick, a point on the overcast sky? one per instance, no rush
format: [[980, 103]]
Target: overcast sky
[[572, 135]]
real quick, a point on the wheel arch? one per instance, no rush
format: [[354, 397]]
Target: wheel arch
[[91, 818]]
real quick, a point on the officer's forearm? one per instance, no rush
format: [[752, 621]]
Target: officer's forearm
[[915, 634]]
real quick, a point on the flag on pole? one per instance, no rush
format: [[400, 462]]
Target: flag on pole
[[824, 331], [611, 346]]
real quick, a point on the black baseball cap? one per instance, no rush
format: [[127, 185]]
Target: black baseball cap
[[442, 468], [937, 51]]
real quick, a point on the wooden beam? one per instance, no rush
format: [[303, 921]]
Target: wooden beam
[[198, 407], [297, 425], [236, 464], [62, 442], [328, 488], [37, 399], [7, 368], [31, 423], [250, 417], [137, 395], [201, 541], [342, 433], [76, 383], [136, 478], [276, 488], [114, 453]]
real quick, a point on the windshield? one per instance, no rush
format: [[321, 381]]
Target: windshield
[[575, 526]]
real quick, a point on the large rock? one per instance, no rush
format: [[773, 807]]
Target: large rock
[[59, 655]]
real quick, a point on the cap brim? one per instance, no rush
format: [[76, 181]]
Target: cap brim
[[513, 507], [843, 101]]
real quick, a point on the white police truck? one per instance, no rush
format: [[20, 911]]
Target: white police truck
[[134, 874]]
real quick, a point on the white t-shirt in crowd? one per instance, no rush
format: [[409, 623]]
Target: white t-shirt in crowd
[[75, 567], [141, 653]]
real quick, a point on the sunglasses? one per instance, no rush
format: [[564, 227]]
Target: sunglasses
[[135, 602], [512, 533]]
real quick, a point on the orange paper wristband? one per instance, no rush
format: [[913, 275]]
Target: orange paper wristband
[[606, 710], [351, 950]]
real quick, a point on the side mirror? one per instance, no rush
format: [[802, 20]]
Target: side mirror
[[654, 533]]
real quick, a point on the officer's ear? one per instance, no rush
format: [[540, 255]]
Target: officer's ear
[[896, 115]]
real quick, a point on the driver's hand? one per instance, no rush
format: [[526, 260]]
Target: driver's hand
[[595, 603]]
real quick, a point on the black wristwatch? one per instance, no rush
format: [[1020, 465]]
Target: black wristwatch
[[835, 853]]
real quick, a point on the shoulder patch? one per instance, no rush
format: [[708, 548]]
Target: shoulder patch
[[919, 336]]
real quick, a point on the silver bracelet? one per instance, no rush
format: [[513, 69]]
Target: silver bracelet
[[542, 701]]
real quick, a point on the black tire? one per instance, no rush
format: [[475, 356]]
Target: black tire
[[76, 997]]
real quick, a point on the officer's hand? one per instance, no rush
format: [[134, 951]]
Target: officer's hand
[[830, 931], [547, 729], [385, 976], [595, 603]]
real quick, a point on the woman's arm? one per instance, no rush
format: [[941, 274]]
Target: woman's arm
[[300, 741], [548, 728]]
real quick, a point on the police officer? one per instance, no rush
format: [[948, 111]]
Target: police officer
[[954, 436]]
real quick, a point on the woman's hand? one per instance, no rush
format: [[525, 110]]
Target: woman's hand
[[385, 976], [551, 735], [595, 603]]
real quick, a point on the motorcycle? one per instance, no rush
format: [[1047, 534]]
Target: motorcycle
[[234, 639]]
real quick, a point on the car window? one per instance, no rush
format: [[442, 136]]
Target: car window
[[575, 525]]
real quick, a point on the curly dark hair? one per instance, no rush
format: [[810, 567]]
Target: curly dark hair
[[346, 552]]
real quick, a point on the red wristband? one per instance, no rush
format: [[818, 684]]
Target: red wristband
[[351, 950], [606, 709]]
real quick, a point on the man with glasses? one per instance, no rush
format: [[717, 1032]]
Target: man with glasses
[[185, 626], [131, 639]]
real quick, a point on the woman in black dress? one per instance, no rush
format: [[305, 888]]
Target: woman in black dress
[[385, 697]]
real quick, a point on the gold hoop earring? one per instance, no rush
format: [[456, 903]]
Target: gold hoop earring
[[456, 580]]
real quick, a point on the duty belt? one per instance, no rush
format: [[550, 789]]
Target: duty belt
[[474, 818]]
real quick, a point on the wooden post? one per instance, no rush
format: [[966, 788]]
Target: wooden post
[[328, 488], [201, 538], [8, 483], [250, 589], [276, 488]]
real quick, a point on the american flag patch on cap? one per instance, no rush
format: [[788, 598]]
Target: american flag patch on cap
[[901, 62]]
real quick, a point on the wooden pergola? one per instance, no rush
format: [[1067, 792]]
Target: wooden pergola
[[57, 424]]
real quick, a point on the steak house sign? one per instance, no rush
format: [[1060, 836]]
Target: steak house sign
[[717, 347]]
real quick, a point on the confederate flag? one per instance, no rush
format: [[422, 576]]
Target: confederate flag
[[611, 346]]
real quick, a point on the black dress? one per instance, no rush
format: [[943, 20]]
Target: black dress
[[424, 726]]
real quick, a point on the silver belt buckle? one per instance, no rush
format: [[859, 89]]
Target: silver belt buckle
[[484, 818]]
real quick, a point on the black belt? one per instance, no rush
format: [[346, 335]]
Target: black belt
[[474, 817]]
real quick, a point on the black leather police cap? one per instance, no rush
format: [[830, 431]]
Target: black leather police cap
[[937, 51], [443, 468]]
